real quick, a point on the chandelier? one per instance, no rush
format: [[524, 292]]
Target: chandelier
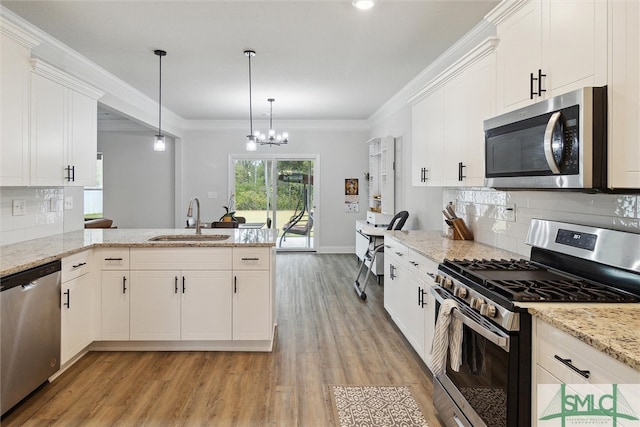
[[257, 137]]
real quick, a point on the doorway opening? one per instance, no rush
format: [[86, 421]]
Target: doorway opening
[[278, 192]]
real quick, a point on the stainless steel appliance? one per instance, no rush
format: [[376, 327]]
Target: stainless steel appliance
[[558, 143], [30, 331], [569, 263]]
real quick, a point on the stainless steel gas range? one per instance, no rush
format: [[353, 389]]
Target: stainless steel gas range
[[568, 263]]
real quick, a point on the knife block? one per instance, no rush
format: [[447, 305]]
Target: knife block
[[459, 230]]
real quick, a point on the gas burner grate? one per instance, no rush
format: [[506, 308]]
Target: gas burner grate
[[495, 264]]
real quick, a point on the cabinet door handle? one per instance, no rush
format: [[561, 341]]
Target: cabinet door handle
[[567, 362], [124, 284], [235, 284], [532, 79], [540, 76], [68, 294], [392, 271], [176, 285], [183, 284], [420, 295], [531, 92], [79, 265], [250, 259], [460, 174], [433, 276], [113, 259]]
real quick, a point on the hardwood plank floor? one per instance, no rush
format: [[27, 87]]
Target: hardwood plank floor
[[326, 335]]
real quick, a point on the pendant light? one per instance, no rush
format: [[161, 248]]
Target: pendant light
[[251, 138], [272, 138], [159, 143]]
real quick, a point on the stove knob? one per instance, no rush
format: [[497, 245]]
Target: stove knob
[[488, 310], [447, 283], [460, 292], [438, 278], [476, 302]]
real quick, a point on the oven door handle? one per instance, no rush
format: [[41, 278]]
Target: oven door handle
[[497, 339]]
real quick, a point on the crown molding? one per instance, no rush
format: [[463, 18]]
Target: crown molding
[[52, 73], [12, 30], [482, 31], [288, 125], [504, 10]]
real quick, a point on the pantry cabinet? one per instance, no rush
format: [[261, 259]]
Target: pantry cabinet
[[63, 123], [14, 104], [382, 175], [548, 48]]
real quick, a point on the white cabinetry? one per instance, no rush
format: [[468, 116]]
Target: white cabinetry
[[548, 48], [252, 315], [407, 295], [624, 94], [115, 294], [180, 294], [63, 123], [447, 121], [14, 104], [560, 358], [77, 299], [382, 175]]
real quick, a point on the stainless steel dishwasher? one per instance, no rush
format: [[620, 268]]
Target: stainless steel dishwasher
[[30, 331]]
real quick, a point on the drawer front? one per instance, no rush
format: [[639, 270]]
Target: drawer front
[[422, 267], [114, 258], [181, 258], [76, 265], [251, 258], [602, 369], [393, 246]]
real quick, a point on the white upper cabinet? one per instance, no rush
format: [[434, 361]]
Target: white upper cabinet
[[14, 104], [447, 121], [63, 124], [548, 48], [624, 95]]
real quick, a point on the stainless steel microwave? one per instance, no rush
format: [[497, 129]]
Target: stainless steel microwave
[[558, 143]]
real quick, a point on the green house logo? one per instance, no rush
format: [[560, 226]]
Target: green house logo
[[588, 404]]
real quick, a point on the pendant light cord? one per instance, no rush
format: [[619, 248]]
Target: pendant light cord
[[160, 98], [250, 107]]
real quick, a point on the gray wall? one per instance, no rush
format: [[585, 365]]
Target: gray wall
[[343, 153], [138, 182]]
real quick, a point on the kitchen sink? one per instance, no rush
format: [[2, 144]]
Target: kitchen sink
[[189, 237]]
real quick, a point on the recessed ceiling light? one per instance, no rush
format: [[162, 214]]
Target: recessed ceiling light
[[363, 4]]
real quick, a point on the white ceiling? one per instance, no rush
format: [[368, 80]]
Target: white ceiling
[[320, 60]]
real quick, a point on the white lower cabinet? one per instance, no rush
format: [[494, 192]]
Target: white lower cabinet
[[115, 305], [77, 304], [407, 295], [560, 358], [251, 308]]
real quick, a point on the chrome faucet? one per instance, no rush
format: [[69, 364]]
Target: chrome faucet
[[190, 213]]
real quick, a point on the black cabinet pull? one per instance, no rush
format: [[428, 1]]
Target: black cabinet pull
[[68, 303], [124, 284], [420, 297], [176, 285], [235, 284], [567, 362], [531, 92], [183, 284], [71, 173], [540, 76], [250, 259], [113, 259], [79, 265], [460, 174]]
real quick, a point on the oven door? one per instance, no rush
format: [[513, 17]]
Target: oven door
[[480, 393]]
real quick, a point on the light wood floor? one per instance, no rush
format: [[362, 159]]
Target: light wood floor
[[326, 335]]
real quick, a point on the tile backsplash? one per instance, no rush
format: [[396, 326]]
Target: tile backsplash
[[44, 213], [501, 218]]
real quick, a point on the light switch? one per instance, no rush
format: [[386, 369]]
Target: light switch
[[19, 207], [68, 203]]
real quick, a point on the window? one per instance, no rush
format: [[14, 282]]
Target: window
[[93, 195]]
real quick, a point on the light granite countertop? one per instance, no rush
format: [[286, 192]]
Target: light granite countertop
[[614, 329], [32, 253], [434, 246]]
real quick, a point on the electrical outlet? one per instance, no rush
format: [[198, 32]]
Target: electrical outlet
[[510, 213], [56, 205], [68, 203], [351, 207], [19, 207], [212, 195]]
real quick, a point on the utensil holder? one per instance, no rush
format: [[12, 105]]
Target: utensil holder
[[459, 230]]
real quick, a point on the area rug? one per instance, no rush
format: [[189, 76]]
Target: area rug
[[373, 406]]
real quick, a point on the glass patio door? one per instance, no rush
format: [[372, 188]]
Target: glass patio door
[[277, 193]]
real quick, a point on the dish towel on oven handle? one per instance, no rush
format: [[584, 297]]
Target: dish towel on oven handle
[[447, 337]]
